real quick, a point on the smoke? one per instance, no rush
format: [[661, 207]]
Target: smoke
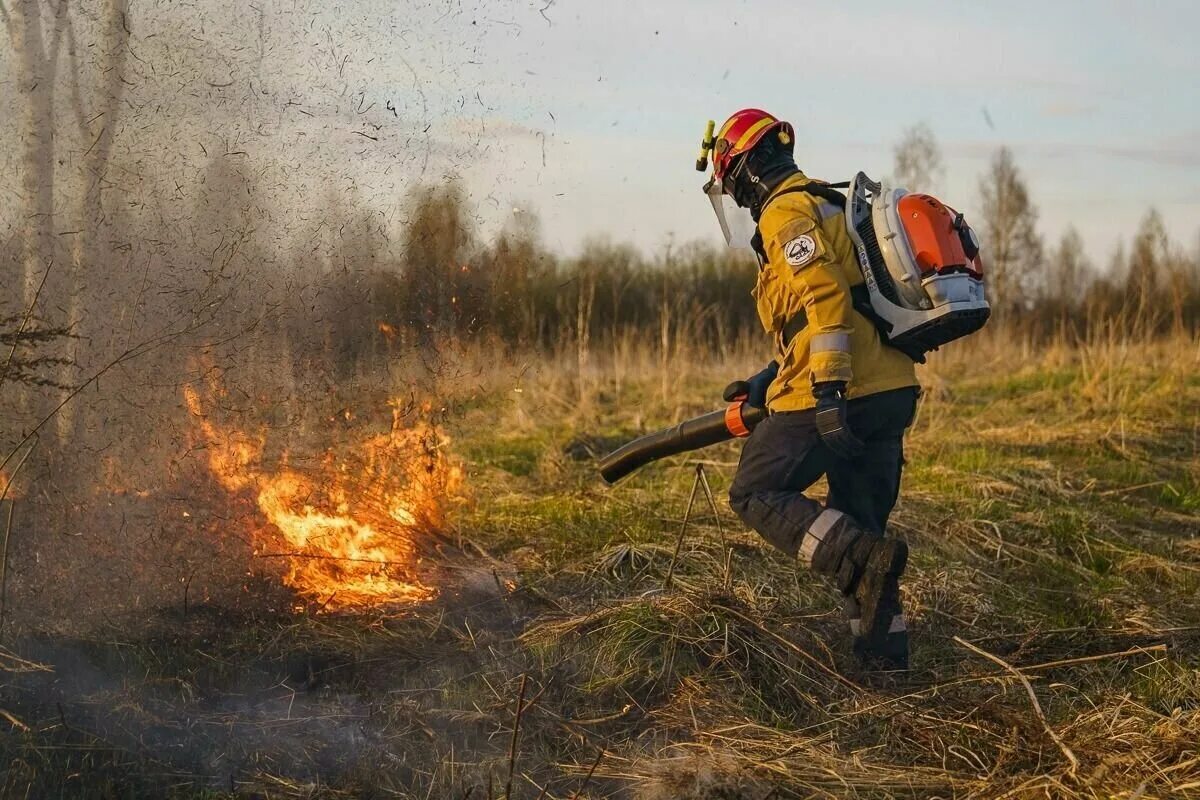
[[199, 192], [195, 697]]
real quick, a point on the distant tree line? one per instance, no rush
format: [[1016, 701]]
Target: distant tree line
[[351, 295], [445, 282], [1150, 288]]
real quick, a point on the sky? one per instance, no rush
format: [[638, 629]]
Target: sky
[[1100, 101], [588, 112]]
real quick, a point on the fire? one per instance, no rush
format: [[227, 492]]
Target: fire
[[346, 526], [8, 486]]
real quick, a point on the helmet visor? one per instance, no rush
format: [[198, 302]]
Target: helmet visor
[[736, 223]]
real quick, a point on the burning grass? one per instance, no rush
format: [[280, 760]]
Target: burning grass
[[345, 523]]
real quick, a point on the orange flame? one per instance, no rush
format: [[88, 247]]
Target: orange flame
[[345, 528], [8, 486]]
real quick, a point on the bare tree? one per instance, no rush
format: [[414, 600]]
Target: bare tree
[[1149, 273], [1068, 272], [97, 114], [434, 247], [97, 108], [1012, 247], [36, 62], [918, 159]]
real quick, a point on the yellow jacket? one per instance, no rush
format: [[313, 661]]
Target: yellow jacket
[[810, 268]]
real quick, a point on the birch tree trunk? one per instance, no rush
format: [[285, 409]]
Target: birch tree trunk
[[35, 64], [97, 124], [37, 73]]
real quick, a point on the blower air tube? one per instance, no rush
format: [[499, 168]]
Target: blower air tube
[[692, 434]]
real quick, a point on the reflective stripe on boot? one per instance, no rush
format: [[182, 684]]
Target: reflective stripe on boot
[[854, 617], [878, 587], [889, 654]]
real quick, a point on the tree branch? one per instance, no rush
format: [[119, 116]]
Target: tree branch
[[128, 355], [1037, 707], [131, 353], [24, 322]]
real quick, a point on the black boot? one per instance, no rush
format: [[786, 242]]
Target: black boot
[[888, 653], [884, 634], [867, 568]]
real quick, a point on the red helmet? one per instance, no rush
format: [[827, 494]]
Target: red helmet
[[742, 132]]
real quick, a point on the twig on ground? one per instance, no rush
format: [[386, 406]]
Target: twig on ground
[[1037, 707], [588, 779], [1156, 648], [543, 791], [512, 747], [1129, 489], [16, 723], [10, 662], [727, 566], [687, 515]]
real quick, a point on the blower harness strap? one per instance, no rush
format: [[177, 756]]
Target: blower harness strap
[[860, 296]]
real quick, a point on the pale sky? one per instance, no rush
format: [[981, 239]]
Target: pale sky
[[589, 111], [1099, 100]]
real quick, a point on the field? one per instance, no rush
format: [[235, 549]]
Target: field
[[1051, 500]]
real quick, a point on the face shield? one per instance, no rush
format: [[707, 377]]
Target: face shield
[[736, 223]]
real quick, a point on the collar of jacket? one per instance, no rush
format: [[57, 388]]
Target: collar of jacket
[[773, 184]]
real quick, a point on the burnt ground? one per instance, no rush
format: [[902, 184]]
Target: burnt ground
[[238, 701], [176, 661]]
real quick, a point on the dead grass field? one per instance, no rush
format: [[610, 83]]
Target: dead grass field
[[1052, 501]]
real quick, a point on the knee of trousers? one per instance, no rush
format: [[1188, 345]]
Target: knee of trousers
[[739, 501], [780, 517]]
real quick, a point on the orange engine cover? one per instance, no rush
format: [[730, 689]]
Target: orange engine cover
[[936, 243]]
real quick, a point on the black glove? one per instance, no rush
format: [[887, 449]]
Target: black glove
[[831, 419], [754, 388]]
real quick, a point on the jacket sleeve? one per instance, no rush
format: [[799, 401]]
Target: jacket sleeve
[[802, 258]]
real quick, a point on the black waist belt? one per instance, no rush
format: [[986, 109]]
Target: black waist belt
[[860, 297]]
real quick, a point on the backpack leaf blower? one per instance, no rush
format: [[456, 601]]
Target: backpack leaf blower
[[921, 264], [920, 261]]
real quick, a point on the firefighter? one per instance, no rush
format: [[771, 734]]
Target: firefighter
[[839, 398]]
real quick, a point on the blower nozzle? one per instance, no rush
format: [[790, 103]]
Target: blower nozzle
[[737, 420]]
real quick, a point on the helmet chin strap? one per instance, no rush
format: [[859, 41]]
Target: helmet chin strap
[[750, 190]]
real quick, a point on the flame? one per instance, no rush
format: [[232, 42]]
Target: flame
[[346, 527], [8, 486]]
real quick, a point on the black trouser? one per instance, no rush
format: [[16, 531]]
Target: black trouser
[[784, 456]]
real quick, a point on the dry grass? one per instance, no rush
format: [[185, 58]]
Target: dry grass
[[1052, 499]]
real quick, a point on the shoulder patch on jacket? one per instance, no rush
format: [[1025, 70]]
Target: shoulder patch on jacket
[[800, 251], [800, 243]]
